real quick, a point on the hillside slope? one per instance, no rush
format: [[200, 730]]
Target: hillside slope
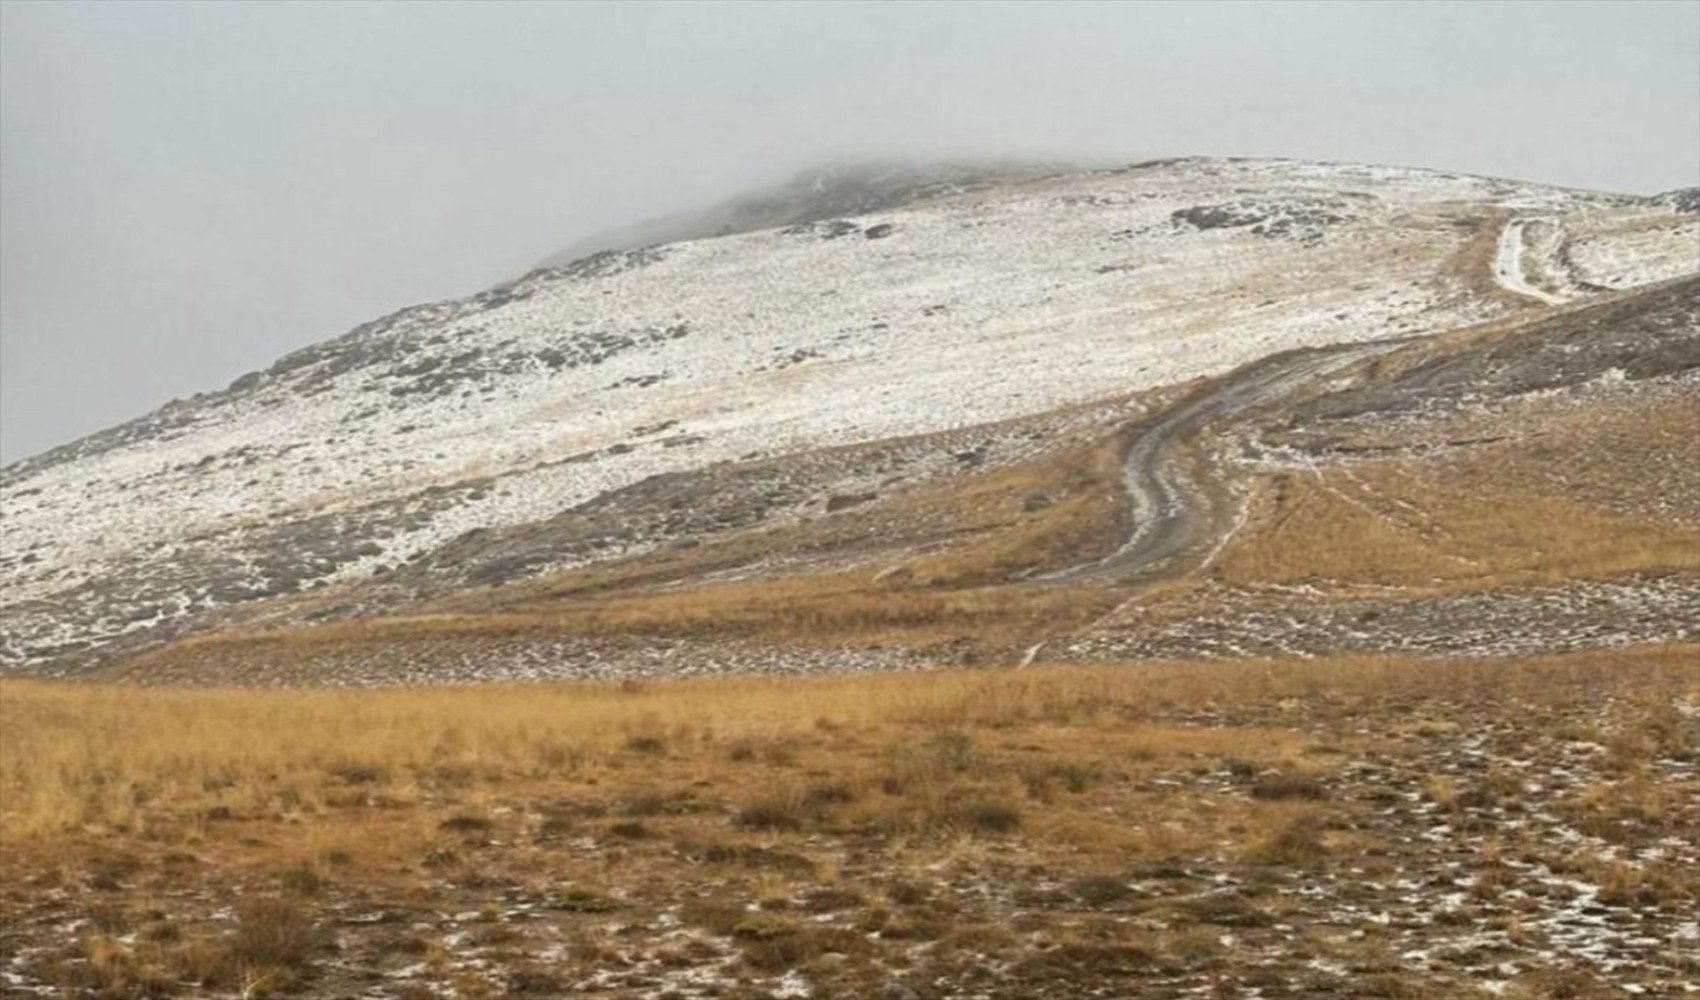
[[896, 437]]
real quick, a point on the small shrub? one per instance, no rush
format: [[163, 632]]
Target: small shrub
[[1629, 750], [536, 981], [1558, 983], [778, 811], [1221, 909], [763, 927], [555, 826], [1287, 785], [465, 823], [716, 918], [748, 856], [162, 932], [109, 918], [1078, 963], [1077, 778], [1193, 947], [1442, 791], [913, 927], [829, 793], [658, 804], [274, 933], [1099, 890], [439, 857], [991, 817], [109, 873], [1672, 733], [646, 744], [830, 900], [1491, 791], [1074, 778], [579, 899], [1650, 885], [303, 879], [777, 946], [1491, 882], [1240, 768], [779, 753], [1394, 986], [359, 774], [1298, 842], [111, 969]]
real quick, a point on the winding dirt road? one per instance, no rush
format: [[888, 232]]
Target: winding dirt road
[[1512, 259], [1175, 518]]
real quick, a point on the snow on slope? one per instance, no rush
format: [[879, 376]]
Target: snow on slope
[[511, 406], [1634, 251]]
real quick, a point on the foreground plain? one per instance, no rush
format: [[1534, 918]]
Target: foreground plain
[[1520, 827]]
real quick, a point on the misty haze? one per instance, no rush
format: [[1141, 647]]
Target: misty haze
[[912, 501]]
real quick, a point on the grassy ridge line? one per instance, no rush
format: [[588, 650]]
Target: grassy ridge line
[[118, 757]]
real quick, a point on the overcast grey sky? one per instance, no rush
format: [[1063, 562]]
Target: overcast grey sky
[[189, 191]]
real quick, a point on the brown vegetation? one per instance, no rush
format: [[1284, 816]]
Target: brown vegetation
[[1113, 822]]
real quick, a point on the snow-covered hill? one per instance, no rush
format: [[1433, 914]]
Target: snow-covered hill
[[961, 306]]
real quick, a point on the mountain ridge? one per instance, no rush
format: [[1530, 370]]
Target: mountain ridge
[[477, 422], [916, 180]]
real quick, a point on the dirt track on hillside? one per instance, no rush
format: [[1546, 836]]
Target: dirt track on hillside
[[1175, 517]]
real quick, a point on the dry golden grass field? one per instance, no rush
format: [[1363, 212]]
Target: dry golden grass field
[[1348, 827]]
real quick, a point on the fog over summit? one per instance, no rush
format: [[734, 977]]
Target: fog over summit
[[842, 186]]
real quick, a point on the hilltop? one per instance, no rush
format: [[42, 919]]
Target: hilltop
[[897, 437]]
